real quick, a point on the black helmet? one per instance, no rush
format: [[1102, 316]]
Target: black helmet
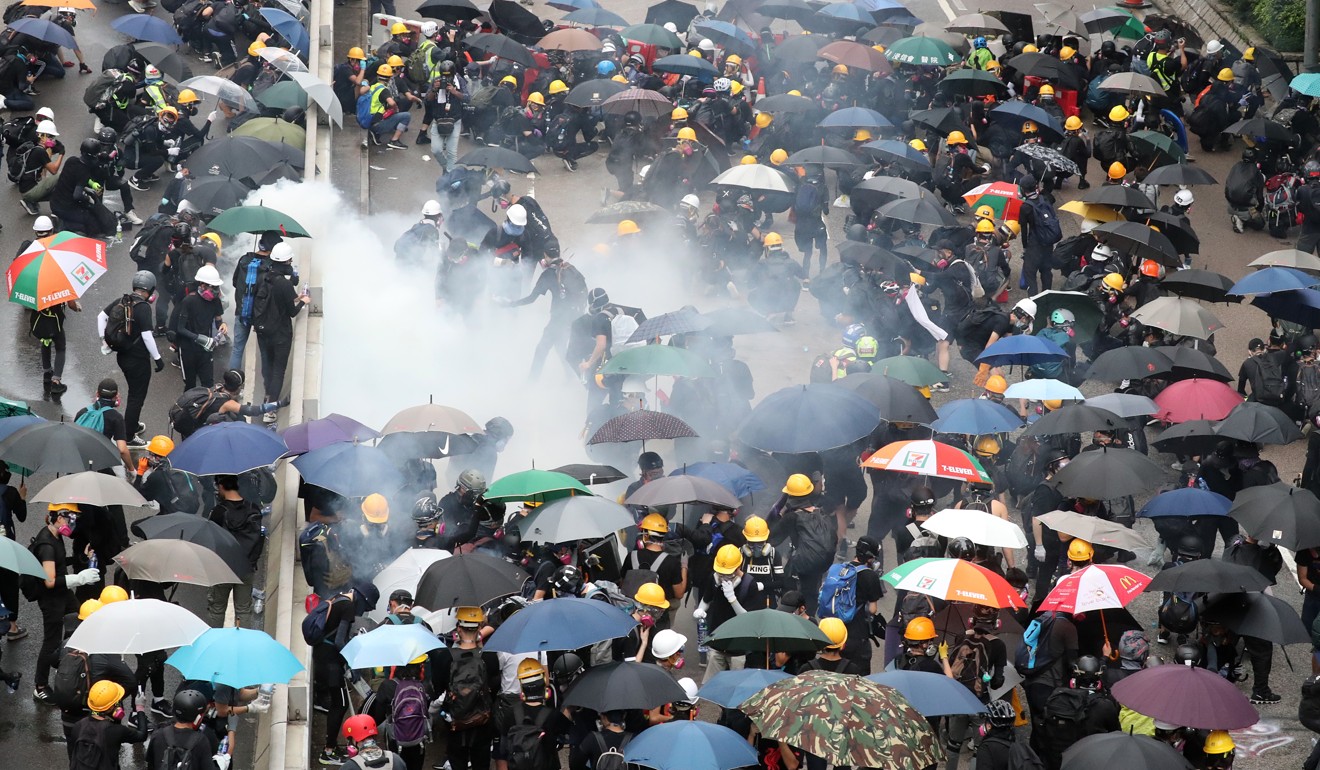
[[597, 299], [425, 510], [1052, 455], [867, 547], [1187, 654], [632, 118], [1189, 548], [567, 581], [1087, 671], [144, 280], [447, 67], [90, 148], [499, 188], [566, 668], [855, 232], [1108, 47], [922, 497], [1000, 713], [183, 232], [295, 115], [961, 548], [1307, 342], [107, 136], [650, 461], [1249, 154], [189, 705]]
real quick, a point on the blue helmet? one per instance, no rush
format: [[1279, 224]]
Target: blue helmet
[[979, 42], [853, 333], [605, 69]]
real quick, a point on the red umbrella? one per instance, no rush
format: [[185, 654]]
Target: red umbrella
[[1196, 399]]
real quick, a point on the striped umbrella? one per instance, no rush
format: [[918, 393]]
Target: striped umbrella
[[55, 269], [954, 580]]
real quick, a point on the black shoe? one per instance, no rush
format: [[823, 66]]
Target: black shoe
[[57, 388], [374, 139], [142, 428], [570, 165], [395, 144], [422, 138], [161, 707], [42, 695], [1269, 696], [11, 681], [1083, 185]]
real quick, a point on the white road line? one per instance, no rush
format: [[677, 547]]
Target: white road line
[[944, 6]]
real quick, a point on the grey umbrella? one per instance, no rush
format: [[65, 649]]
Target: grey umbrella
[[575, 518], [1107, 473], [1258, 423], [918, 211], [1093, 530], [1257, 615], [175, 561], [1176, 315], [1124, 404], [675, 490], [90, 488], [59, 447], [1279, 513]]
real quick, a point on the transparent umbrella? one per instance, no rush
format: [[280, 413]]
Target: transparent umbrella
[[222, 89]]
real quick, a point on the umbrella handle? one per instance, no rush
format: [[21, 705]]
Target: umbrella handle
[[1104, 630]]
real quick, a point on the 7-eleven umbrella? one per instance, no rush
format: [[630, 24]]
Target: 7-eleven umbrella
[[1003, 197], [928, 458], [1097, 587], [55, 269], [954, 580]]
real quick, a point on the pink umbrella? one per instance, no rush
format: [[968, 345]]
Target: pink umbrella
[[1196, 399]]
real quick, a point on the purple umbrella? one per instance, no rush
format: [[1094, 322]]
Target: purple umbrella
[[332, 429], [1187, 696]]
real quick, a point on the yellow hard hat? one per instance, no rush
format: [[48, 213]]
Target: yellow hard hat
[[678, 114], [557, 87], [419, 660], [1219, 741], [57, 507], [798, 485], [1080, 550], [509, 80], [385, 71], [1029, 127], [878, 48], [395, 61], [728, 559], [795, 92], [1052, 403], [470, 615], [627, 227], [987, 446], [956, 137], [836, 630], [687, 133], [984, 212], [1117, 170], [213, 238], [1225, 75], [111, 594], [1029, 48], [918, 145], [991, 66], [778, 156], [1249, 54], [763, 119], [188, 96], [695, 52], [985, 226], [924, 390], [1114, 281], [375, 508], [1012, 224], [619, 79], [733, 58], [755, 530], [861, 135], [840, 69], [996, 384], [1119, 114], [160, 446], [919, 629], [917, 278], [748, 160], [1073, 123], [1047, 90], [651, 595], [1067, 52], [398, 28], [535, 97], [256, 47], [654, 522], [88, 607], [736, 87], [772, 239], [357, 53], [104, 695], [530, 668]]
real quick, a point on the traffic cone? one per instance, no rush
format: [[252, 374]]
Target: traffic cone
[[1133, 5], [760, 87]]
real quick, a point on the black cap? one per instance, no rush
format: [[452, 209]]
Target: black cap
[[650, 461], [1028, 182], [791, 601], [402, 596], [1256, 344], [867, 546]]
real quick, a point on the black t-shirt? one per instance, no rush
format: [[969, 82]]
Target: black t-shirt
[[113, 427], [868, 590], [584, 755], [840, 666], [50, 547], [142, 322], [509, 712], [668, 566], [582, 337]]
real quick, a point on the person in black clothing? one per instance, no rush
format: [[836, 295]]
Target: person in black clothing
[[1036, 252], [47, 325], [992, 753], [611, 735], [55, 593], [13, 507], [329, 688], [653, 556], [532, 707], [186, 732], [735, 593], [563, 131], [346, 77], [113, 425], [102, 727], [110, 673], [275, 306], [1084, 693], [149, 142], [381, 706], [1266, 370], [831, 658], [136, 357], [242, 519], [568, 298], [78, 195], [195, 325], [589, 340], [627, 149], [247, 273], [462, 510], [867, 622], [469, 745]]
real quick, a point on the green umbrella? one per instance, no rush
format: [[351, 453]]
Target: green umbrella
[[534, 485], [917, 372], [652, 360], [1087, 316], [273, 130], [1151, 145], [1130, 29], [652, 34], [257, 219], [769, 628], [16, 558], [283, 95], [922, 50]]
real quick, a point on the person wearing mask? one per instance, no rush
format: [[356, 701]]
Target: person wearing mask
[[813, 533], [469, 679], [276, 303], [611, 736], [367, 754], [104, 418], [186, 740], [1051, 660], [387, 114], [36, 184], [54, 595], [865, 622], [568, 299], [247, 274], [589, 340], [463, 509], [649, 607], [652, 555], [329, 685], [529, 725], [347, 76], [444, 104], [831, 658], [995, 749], [13, 508], [199, 321], [1040, 233], [95, 740], [125, 326], [667, 648], [1083, 694], [242, 519], [735, 593], [78, 195], [1266, 371]]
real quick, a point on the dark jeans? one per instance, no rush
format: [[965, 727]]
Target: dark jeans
[[1261, 653], [17, 101], [52, 640], [148, 164], [1036, 262], [329, 689], [198, 366], [52, 359], [577, 150], [9, 593], [275, 351], [151, 669], [1308, 241], [222, 45], [94, 222], [469, 749], [1037, 694], [137, 377], [809, 585], [806, 240]]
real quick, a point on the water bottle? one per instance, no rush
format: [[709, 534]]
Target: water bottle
[[702, 648], [258, 601], [224, 746], [93, 562], [119, 231], [264, 693]]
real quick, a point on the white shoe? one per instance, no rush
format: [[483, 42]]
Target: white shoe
[[132, 217]]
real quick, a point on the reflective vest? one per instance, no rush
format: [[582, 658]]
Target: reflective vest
[[156, 94], [979, 58], [378, 93], [1155, 63]]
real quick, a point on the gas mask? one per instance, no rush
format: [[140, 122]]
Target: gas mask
[[680, 662], [645, 619], [206, 292], [564, 557], [919, 649], [685, 150], [533, 688], [66, 530]]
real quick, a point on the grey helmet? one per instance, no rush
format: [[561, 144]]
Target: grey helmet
[[472, 481], [144, 280]]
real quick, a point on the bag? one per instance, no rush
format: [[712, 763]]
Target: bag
[[24, 164], [191, 410], [1020, 754], [179, 756], [821, 370], [611, 758], [1273, 384], [93, 418], [526, 744], [444, 126], [1179, 613], [72, 680], [119, 331], [1053, 370], [1045, 230], [484, 95], [1242, 183], [185, 496], [88, 740], [469, 700], [366, 118], [970, 661], [1065, 716], [1308, 389], [914, 605], [1022, 472], [153, 239], [838, 592], [419, 62], [1033, 655], [409, 723], [814, 541], [17, 132], [807, 201], [314, 625]]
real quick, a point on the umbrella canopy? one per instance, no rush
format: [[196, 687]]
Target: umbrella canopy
[[623, 686], [404, 573], [575, 518], [821, 155], [592, 93], [1301, 306], [1186, 501], [808, 418], [534, 485], [1097, 587], [1075, 418], [469, 580], [285, 61], [1273, 279], [448, 10], [1153, 148], [932, 695], [1187, 696], [978, 526], [175, 561], [137, 626], [1044, 390], [845, 720], [54, 270], [1017, 113], [1190, 362], [390, 645], [431, 418], [1199, 284], [928, 458], [1288, 258], [59, 447], [212, 195], [654, 34], [566, 623], [238, 657], [1021, 350], [922, 50], [659, 360], [855, 117], [497, 158], [954, 580], [1136, 238], [228, 448], [917, 372], [90, 488], [352, 470], [1053, 159], [1126, 750], [1080, 304], [918, 211], [1192, 437], [592, 474], [897, 400], [503, 47], [1259, 423], [195, 529], [1209, 575], [680, 64], [973, 83], [1002, 197], [17, 558], [168, 60], [768, 629], [1129, 363], [1260, 128], [1108, 472], [241, 156], [596, 17], [895, 151], [735, 479], [224, 90], [690, 745], [1132, 83], [642, 425], [1181, 174], [856, 56], [1257, 615], [257, 219], [976, 417], [734, 321], [46, 31], [1093, 530], [1176, 315], [570, 39], [676, 490], [273, 130], [730, 688], [682, 321], [976, 24], [754, 176], [289, 28], [1279, 513], [1196, 399], [675, 12], [334, 428], [1120, 196]]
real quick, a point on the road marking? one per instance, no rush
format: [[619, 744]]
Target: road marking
[[944, 6], [960, 5]]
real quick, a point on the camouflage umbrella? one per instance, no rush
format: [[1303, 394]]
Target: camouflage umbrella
[[845, 720]]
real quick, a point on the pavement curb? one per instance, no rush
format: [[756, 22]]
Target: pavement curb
[[1216, 20]]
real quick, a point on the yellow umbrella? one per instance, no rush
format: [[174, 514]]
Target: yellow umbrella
[[1095, 211]]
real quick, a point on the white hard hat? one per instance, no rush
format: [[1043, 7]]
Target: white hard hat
[[706, 44], [43, 225], [429, 28], [1213, 47], [430, 208], [281, 252], [1089, 224], [645, 170], [1101, 252], [207, 274], [46, 112], [607, 47], [690, 688], [517, 215], [1027, 306], [1184, 198], [47, 127], [152, 72], [691, 200], [672, 27], [667, 642]]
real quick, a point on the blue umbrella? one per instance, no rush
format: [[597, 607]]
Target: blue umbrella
[[1301, 306], [901, 20], [855, 117], [143, 27], [352, 470], [1273, 279], [1186, 501], [238, 657], [930, 694], [289, 28], [566, 623], [730, 688], [573, 5], [596, 17], [334, 428], [871, 6], [726, 34], [808, 418], [846, 12], [975, 417], [683, 64], [1017, 113], [1044, 390], [390, 645], [691, 745], [228, 448], [1306, 83], [44, 30], [8, 425], [1022, 350], [738, 480]]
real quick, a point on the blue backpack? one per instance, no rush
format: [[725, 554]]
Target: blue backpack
[[1029, 658], [94, 417], [838, 592], [1045, 229], [1052, 370], [365, 117]]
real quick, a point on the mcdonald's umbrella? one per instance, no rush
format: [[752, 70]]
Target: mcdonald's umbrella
[[1125, 404], [1181, 174], [976, 24], [1092, 529], [1300, 260], [1021, 350], [917, 372], [1279, 513], [46, 31], [137, 626], [690, 745], [570, 39], [515, 21], [918, 211], [55, 269], [1120, 749], [863, 58], [925, 457], [390, 645], [1209, 575], [975, 417], [855, 117], [566, 623], [972, 83], [808, 418], [535, 485], [1075, 418], [897, 400], [757, 629], [467, 580], [823, 155], [1259, 423], [238, 657], [786, 104], [596, 17], [449, 10], [593, 93], [350, 469], [1183, 317], [175, 561], [1108, 472], [1188, 696], [90, 488], [1097, 587], [922, 50], [275, 130], [623, 686], [642, 425], [257, 219], [497, 158], [735, 479], [954, 580], [17, 558], [143, 27], [932, 695], [502, 46], [228, 448], [1199, 284], [656, 35], [195, 529], [678, 12], [676, 490], [1129, 363], [1257, 615], [575, 518], [649, 103], [1190, 362], [730, 688], [59, 447]]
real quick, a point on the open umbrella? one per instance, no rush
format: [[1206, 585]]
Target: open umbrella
[[1016, 114], [735, 321], [1125, 404], [1181, 174], [941, 120], [1047, 67], [918, 211], [681, 489], [1260, 128], [623, 686], [787, 104], [1132, 83], [954, 580], [431, 418], [212, 195], [570, 519], [654, 34], [1126, 750], [856, 56], [237, 657], [914, 371], [289, 28], [1190, 362], [90, 488], [222, 89], [452, 11], [754, 176], [790, 10], [897, 400], [534, 485], [592, 474], [467, 580], [334, 428], [257, 219], [228, 448], [1208, 575], [1183, 317], [759, 630], [730, 688], [497, 158], [690, 745], [1259, 423], [198, 530], [975, 417], [1106, 473], [1097, 587], [1119, 196], [592, 93], [175, 561], [1003, 198], [570, 39], [273, 130], [1135, 238], [1093, 530], [59, 447], [390, 645], [1052, 158], [682, 321], [932, 695], [1301, 306], [659, 360], [726, 35], [404, 573], [976, 24], [923, 51], [735, 479], [972, 83], [352, 470], [675, 12], [1186, 501], [808, 418], [502, 46], [925, 457], [17, 558], [320, 92], [46, 31], [1021, 350], [1129, 363], [1153, 148], [1272, 280], [978, 526], [1279, 513], [145, 27], [596, 17], [1300, 260], [1192, 437], [136, 626], [1257, 615], [241, 156], [855, 117], [895, 151], [641, 425], [1199, 284], [1196, 399], [566, 623], [55, 269], [166, 58], [1188, 696], [1044, 390], [1075, 418], [822, 155]]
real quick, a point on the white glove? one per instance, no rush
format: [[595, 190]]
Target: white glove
[[84, 578], [699, 613], [221, 761], [258, 707], [726, 589], [173, 152], [213, 117], [1040, 553]]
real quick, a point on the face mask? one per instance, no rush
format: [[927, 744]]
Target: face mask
[[686, 150], [65, 530], [512, 229], [564, 558], [679, 663], [1071, 332], [646, 621], [207, 293]]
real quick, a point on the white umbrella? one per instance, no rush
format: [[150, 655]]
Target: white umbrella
[[282, 60], [754, 176], [90, 488], [222, 89], [322, 93], [978, 526], [1044, 390], [404, 573], [137, 626]]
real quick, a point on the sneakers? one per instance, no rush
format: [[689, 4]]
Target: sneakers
[[42, 695], [142, 428], [1163, 638], [422, 138], [939, 387], [1083, 185], [17, 632], [1266, 697], [332, 757], [161, 707], [12, 680], [395, 144], [132, 218], [1237, 223], [571, 165], [137, 441], [375, 140], [270, 418], [30, 208], [58, 388], [139, 185]]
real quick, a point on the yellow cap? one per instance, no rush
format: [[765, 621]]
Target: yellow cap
[[1080, 550], [1114, 282], [530, 668], [1073, 123], [58, 507], [1225, 75], [385, 71], [214, 238], [755, 530], [417, 661], [1029, 48], [1012, 224], [736, 87], [987, 446], [557, 87], [695, 52], [985, 226], [1029, 127], [395, 61], [1047, 90], [795, 92], [654, 522], [651, 595], [1067, 53], [375, 508], [1219, 741], [509, 80], [996, 384], [111, 594], [917, 278], [1052, 403], [627, 227], [104, 695], [619, 79], [88, 607], [837, 632], [728, 559], [772, 239], [984, 212], [398, 28], [748, 160], [798, 485], [687, 134], [919, 629], [1249, 54], [778, 156], [733, 58]]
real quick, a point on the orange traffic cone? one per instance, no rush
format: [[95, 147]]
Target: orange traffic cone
[[760, 87], [1133, 5]]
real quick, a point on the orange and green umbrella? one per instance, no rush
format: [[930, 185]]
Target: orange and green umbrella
[[55, 269], [1003, 197], [954, 580]]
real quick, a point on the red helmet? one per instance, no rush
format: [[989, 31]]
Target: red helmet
[[359, 728]]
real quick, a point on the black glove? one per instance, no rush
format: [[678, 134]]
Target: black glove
[[160, 364], [878, 627]]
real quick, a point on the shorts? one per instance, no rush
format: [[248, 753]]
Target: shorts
[[847, 489]]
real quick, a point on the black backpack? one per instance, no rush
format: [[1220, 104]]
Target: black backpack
[[469, 700], [1308, 389], [1065, 715], [25, 162], [186, 497], [1020, 754], [153, 239], [19, 131], [1273, 382], [191, 410], [178, 756], [610, 758], [913, 605], [119, 331], [1179, 613], [527, 745], [815, 539], [72, 680], [968, 661], [1243, 183], [88, 744]]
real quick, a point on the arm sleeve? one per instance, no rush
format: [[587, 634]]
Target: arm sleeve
[[101, 320], [149, 339], [918, 311], [542, 286]]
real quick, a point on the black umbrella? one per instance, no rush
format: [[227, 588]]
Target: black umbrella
[[1048, 67], [1177, 27], [1181, 235], [1259, 423], [1257, 615], [735, 321], [449, 10], [1076, 418], [1137, 239], [1206, 575], [884, 35], [801, 48], [467, 580], [941, 120], [1263, 129], [591, 474], [624, 686], [59, 447], [469, 224], [1118, 195], [823, 155], [241, 156], [786, 104], [1128, 363], [169, 61], [642, 425], [498, 157], [198, 530], [1179, 174], [973, 83], [790, 10], [678, 12], [592, 92], [1106, 473], [213, 195], [1193, 437], [808, 418], [502, 46], [919, 211], [682, 321], [872, 257], [1278, 513], [1200, 284], [897, 400], [1190, 362], [121, 57], [515, 21], [870, 194], [1129, 751]]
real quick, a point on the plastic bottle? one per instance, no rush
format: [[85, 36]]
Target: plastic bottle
[[702, 648], [119, 232], [264, 693], [93, 562]]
